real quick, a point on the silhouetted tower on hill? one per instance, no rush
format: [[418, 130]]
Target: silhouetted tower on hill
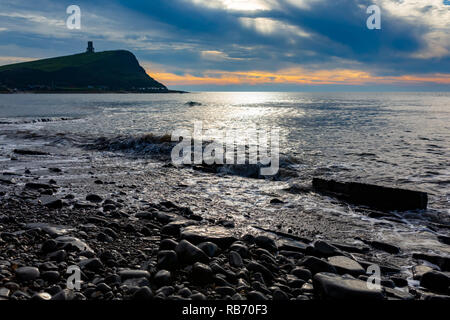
[[90, 47]]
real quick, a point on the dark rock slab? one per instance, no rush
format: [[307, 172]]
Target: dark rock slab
[[219, 235], [65, 241], [167, 259], [51, 202], [436, 281], [330, 286], [201, 274], [291, 245], [27, 273], [387, 247], [316, 265], [27, 152], [133, 274], [189, 253], [325, 249], [345, 265], [379, 197], [94, 198], [442, 261], [52, 230], [36, 186]]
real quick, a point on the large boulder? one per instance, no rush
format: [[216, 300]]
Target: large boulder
[[188, 253], [436, 281], [335, 287], [218, 235], [345, 265]]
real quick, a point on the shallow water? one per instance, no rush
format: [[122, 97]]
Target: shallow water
[[397, 139]]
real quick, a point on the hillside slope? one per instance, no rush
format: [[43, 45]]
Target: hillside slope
[[108, 70]]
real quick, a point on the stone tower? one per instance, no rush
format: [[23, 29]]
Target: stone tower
[[90, 47]]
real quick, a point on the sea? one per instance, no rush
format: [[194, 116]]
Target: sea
[[397, 139]]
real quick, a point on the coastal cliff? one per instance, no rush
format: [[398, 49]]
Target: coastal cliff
[[107, 71]]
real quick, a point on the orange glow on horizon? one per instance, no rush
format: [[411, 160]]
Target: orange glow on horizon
[[294, 76]]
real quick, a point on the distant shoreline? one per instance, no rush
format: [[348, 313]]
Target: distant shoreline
[[94, 92]]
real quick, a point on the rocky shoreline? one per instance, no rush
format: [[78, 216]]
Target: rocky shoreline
[[164, 251]]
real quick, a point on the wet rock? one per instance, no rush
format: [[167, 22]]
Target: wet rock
[[27, 273], [435, 297], [69, 243], [291, 254], [256, 296], [442, 261], [371, 195], [94, 198], [398, 294], [167, 259], [291, 245], [50, 276], [41, 296], [93, 264], [276, 201], [49, 246], [198, 296], [129, 228], [420, 270], [27, 152], [294, 282], [51, 229], [51, 202], [266, 243], [83, 205], [332, 286], [235, 259], [316, 265], [400, 282], [279, 295], [37, 186], [225, 291], [257, 267], [109, 207], [189, 254], [389, 248], [210, 248], [135, 283], [436, 281], [4, 292], [351, 248], [7, 180], [185, 292], [162, 278], [103, 287], [103, 237], [302, 273], [345, 265], [325, 249], [143, 293], [130, 274], [168, 244], [201, 274], [58, 256], [64, 295], [240, 248], [216, 234], [444, 239]]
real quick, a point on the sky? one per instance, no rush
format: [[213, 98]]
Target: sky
[[247, 45]]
